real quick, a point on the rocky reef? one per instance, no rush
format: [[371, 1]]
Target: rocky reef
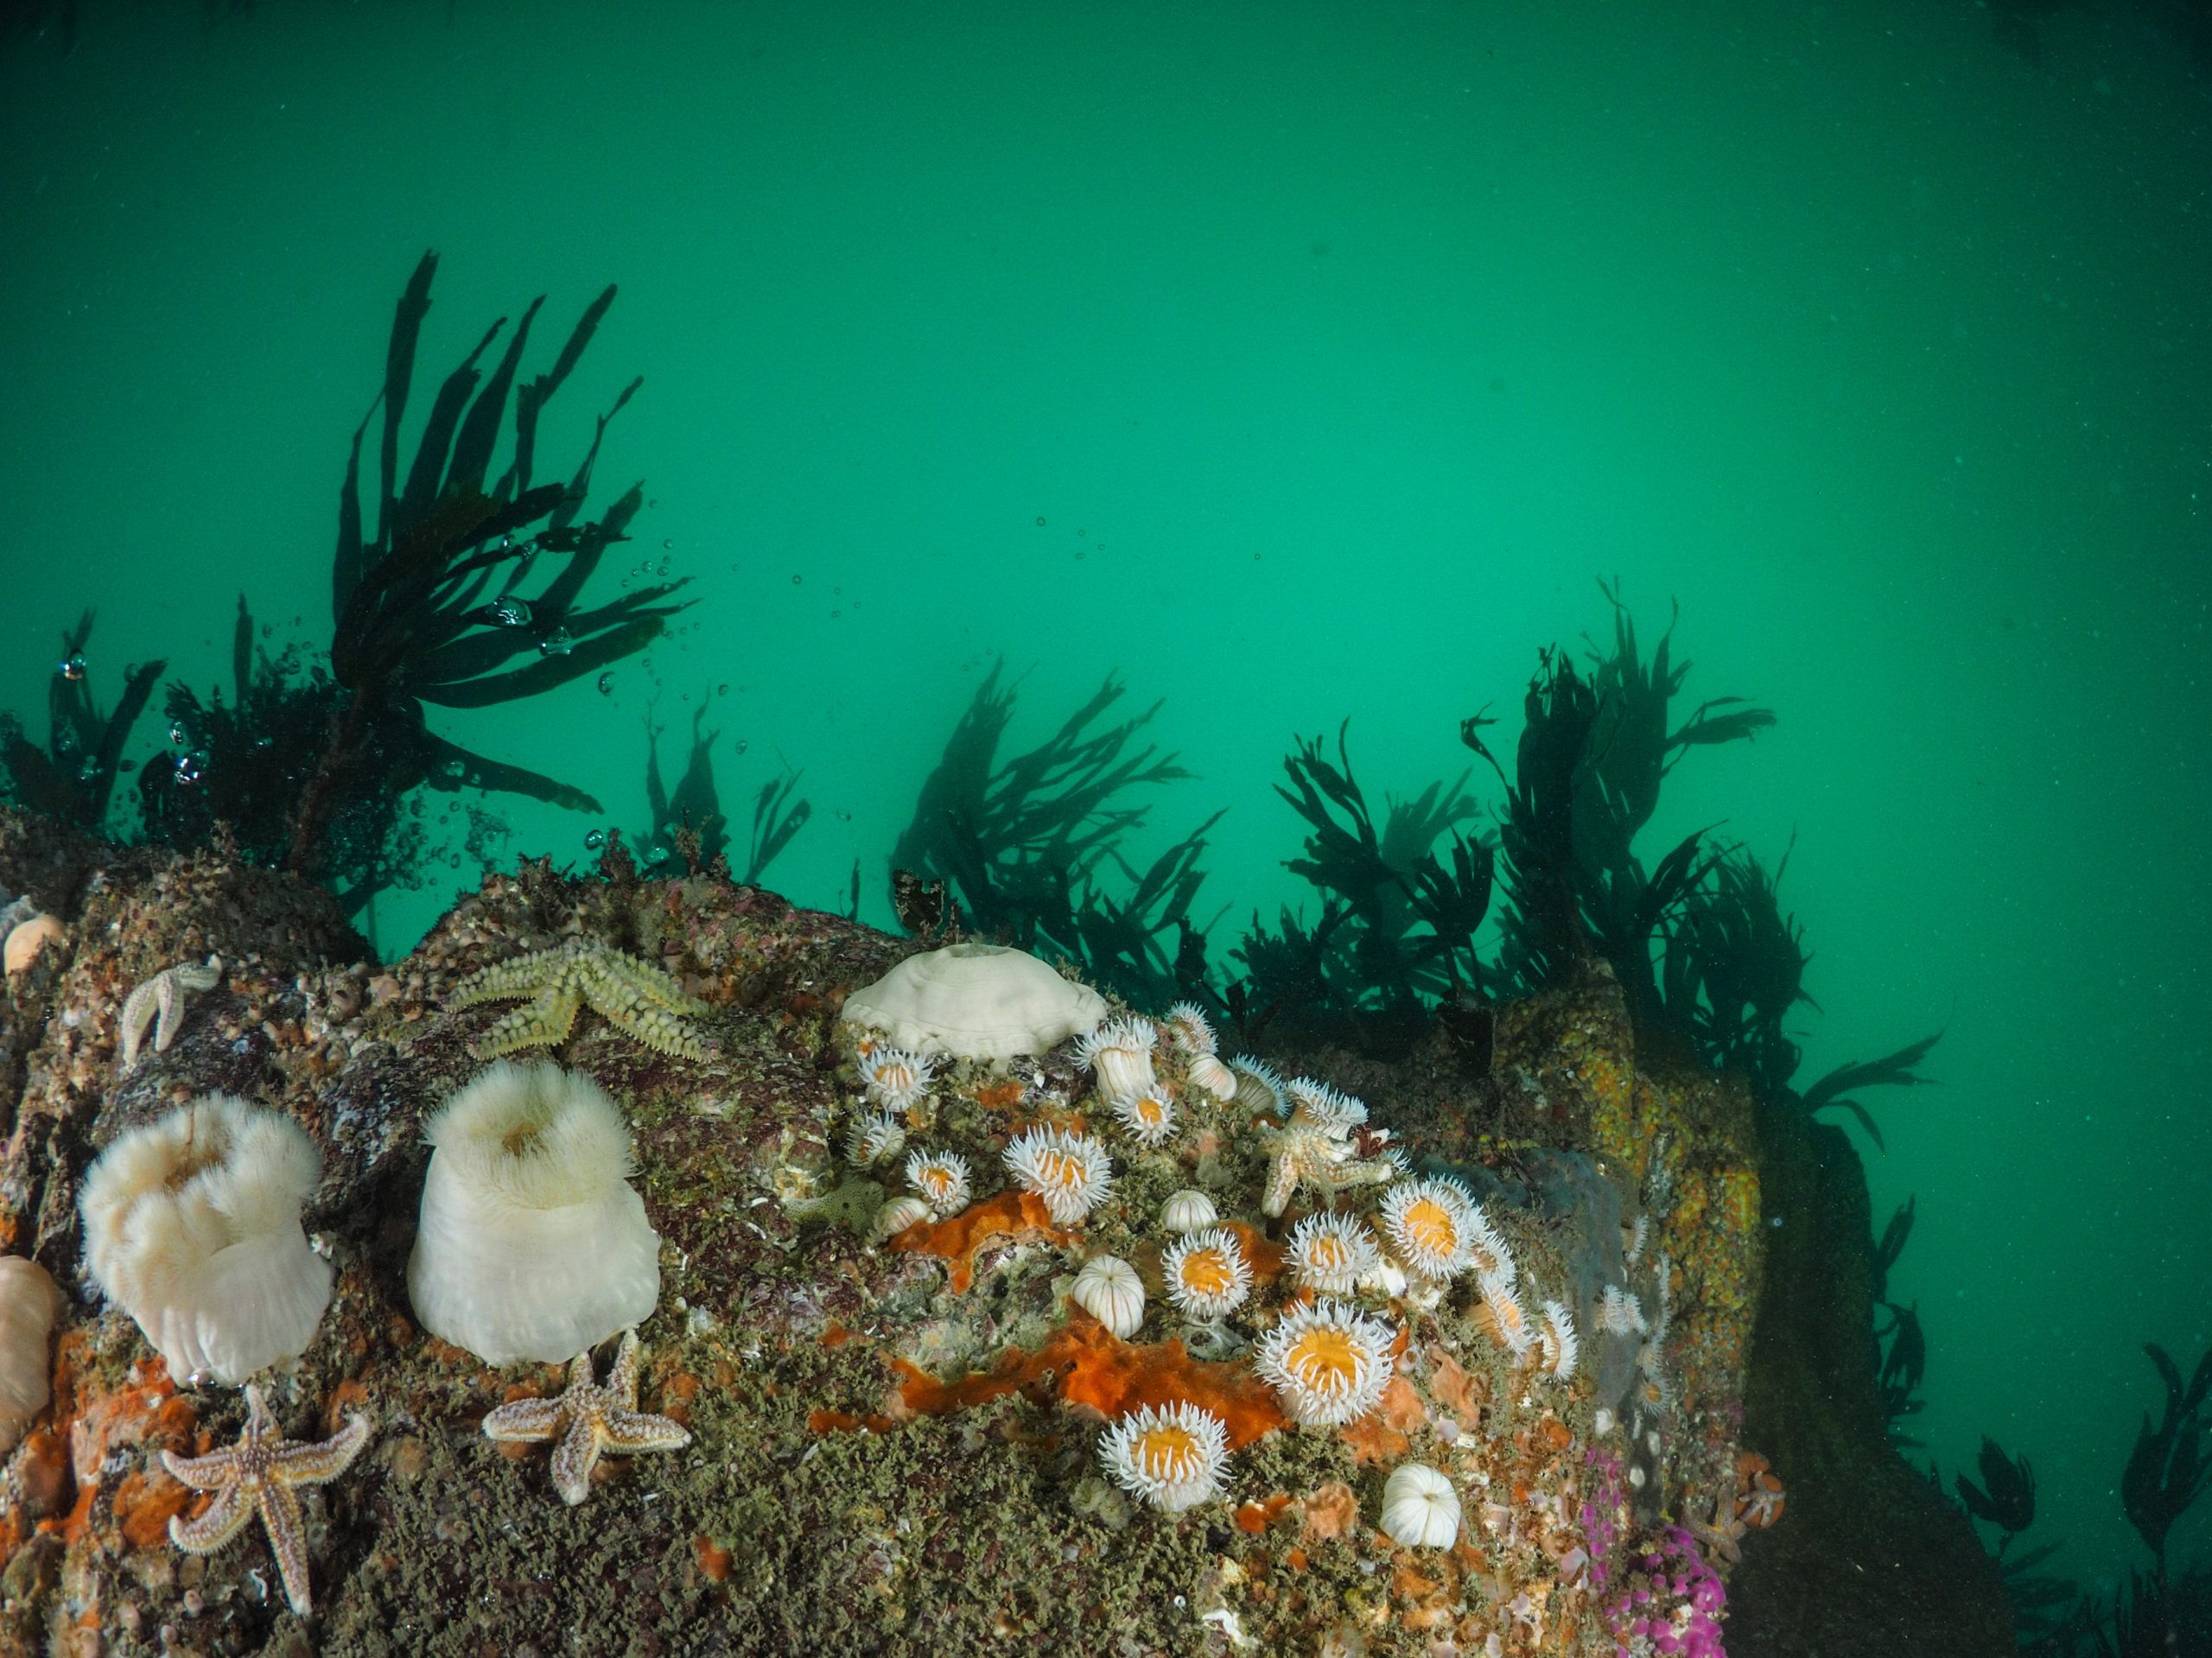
[[879, 1440]]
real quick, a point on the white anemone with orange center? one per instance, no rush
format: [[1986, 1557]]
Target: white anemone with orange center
[[1507, 1318], [940, 1180], [895, 1078], [1207, 1274], [1556, 1337], [1120, 1053], [1331, 1253], [1431, 1223], [1071, 1172], [1170, 1455], [1148, 1114], [1329, 1362]]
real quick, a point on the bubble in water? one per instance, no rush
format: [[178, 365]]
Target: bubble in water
[[796, 580], [179, 737], [607, 683], [722, 689], [450, 768], [508, 613], [742, 745], [557, 644], [72, 666], [1040, 521], [594, 839], [668, 546]]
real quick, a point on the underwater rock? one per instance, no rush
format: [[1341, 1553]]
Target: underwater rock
[[898, 1441]]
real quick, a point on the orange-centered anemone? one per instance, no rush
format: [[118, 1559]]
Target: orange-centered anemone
[[1331, 1253], [1207, 1274], [1431, 1223], [1171, 1456], [1329, 1362], [1148, 1114], [1072, 1172]]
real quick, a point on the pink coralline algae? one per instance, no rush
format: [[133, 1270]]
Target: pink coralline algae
[[1672, 1603]]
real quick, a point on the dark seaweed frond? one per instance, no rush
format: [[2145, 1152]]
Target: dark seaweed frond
[[1897, 1070], [776, 820], [694, 807], [2168, 1469], [1025, 843], [2006, 1495], [1732, 969], [1892, 1245], [73, 776]]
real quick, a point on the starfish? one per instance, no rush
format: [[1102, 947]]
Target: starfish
[[641, 1001], [1306, 1153], [255, 1475], [163, 994], [1723, 1535], [589, 1420]]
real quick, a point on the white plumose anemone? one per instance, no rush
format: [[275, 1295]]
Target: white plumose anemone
[[1555, 1336], [29, 1303], [192, 1226], [1148, 1114], [1319, 1103], [873, 1136], [1108, 1289], [1329, 1362], [1192, 1034], [1619, 1314], [1431, 1225], [1421, 1509], [976, 1001], [895, 1078], [1170, 1455], [1207, 1274], [531, 1244], [1507, 1318], [940, 1180], [1488, 1255], [1119, 1053], [1188, 1210], [1072, 1172], [1332, 1253]]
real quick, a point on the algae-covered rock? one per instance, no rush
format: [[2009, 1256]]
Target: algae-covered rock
[[893, 1445]]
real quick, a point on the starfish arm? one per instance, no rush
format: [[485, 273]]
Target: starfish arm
[[138, 1015], [636, 1016], [216, 1524], [539, 1023], [525, 975], [288, 1541], [575, 1456], [312, 1464], [209, 1473], [524, 1421], [629, 1432], [622, 1380], [170, 996]]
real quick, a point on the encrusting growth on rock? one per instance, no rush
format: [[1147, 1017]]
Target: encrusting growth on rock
[[590, 1420], [160, 1002], [640, 1001], [255, 1475]]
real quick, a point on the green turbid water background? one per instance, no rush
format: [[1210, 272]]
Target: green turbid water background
[[1296, 363]]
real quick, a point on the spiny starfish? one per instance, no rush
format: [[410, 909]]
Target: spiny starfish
[[1304, 1154], [255, 1475], [589, 1419], [641, 1001], [163, 994]]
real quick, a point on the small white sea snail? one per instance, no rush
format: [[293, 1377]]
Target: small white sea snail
[[1419, 1508]]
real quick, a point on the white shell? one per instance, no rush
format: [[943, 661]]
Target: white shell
[[1187, 1210], [978, 1001], [1108, 1289], [896, 1217], [192, 1226], [530, 1243], [1419, 1508], [28, 1305]]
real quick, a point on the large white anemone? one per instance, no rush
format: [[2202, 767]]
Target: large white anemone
[[531, 1244], [192, 1226]]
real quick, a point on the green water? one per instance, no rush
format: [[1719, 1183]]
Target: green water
[[1297, 362]]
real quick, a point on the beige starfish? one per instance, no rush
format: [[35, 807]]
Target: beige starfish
[[255, 1475], [1304, 1154], [163, 994], [590, 1421], [641, 1001]]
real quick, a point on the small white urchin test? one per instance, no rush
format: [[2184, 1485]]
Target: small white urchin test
[[1108, 1289], [1171, 1455], [1421, 1509]]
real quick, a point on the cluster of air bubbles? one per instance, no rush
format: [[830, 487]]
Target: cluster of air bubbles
[[191, 765], [558, 643], [451, 769], [71, 667]]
